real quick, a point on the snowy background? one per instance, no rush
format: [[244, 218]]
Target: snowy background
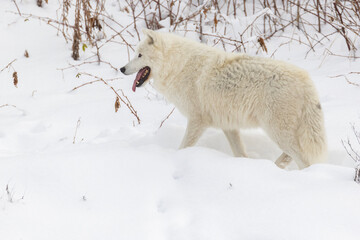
[[73, 168]]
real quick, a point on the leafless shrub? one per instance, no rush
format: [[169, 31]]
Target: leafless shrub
[[214, 20], [354, 154], [228, 23], [86, 20]]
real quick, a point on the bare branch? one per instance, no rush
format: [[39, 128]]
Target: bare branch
[[167, 117], [8, 65]]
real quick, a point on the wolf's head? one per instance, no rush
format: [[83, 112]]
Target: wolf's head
[[148, 52]]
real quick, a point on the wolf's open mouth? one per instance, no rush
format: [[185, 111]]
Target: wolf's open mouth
[[141, 77]]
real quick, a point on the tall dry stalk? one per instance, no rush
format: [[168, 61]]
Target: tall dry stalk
[[88, 20], [77, 34], [64, 18]]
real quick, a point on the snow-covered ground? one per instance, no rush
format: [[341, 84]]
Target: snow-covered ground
[[122, 180]]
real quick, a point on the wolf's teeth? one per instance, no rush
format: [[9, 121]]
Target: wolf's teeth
[[137, 82]]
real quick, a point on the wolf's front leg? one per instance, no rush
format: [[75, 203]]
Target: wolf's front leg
[[194, 130], [236, 144]]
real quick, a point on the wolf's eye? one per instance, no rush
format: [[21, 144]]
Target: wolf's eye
[[139, 55]]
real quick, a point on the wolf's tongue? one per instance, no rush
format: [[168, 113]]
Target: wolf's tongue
[[134, 84], [137, 78]]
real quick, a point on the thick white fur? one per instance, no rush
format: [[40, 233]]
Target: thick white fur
[[213, 88]]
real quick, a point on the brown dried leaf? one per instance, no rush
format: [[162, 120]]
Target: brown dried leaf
[[262, 44], [205, 11], [26, 54], [15, 77], [215, 21], [117, 104]]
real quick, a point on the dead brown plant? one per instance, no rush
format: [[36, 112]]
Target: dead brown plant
[[77, 34]]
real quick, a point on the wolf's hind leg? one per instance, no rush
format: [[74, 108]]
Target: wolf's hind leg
[[236, 144], [283, 160], [194, 130]]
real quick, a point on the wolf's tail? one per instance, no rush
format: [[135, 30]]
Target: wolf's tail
[[311, 133]]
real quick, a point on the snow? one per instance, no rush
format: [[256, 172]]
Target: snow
[[122, 180]]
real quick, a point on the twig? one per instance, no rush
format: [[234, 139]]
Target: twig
[[87, 62], [345, 76], [350, 150], [127, 102], [76, 129], [88, 83], [133, 7], [342, 23], [13, 106], [91, 82], [17, 7], [353, 153], [7, 105], [162, 122], [9, 65]]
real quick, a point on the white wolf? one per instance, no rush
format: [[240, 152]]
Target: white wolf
[[213, 88]]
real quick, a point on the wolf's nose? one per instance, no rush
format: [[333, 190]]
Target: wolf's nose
[[122, 69]]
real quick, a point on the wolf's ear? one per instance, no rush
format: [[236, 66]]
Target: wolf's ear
[[151, 35]]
